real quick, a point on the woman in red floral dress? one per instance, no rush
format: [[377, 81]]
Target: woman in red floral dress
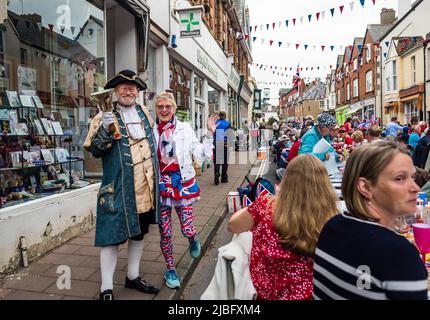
[[285, 230]]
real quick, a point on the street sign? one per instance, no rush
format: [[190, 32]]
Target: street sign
[[190, 22]]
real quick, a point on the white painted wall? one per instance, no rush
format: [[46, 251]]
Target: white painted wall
[[159, 13], [125, 40], [30, 219]]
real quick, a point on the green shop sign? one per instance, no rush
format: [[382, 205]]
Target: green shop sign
[[190, 21]]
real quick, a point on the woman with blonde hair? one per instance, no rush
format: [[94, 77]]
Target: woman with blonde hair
[[359, 256], [285, 230], [176, 145]]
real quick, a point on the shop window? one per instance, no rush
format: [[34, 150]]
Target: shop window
[[369, 81], [180, 83], [46, 109]]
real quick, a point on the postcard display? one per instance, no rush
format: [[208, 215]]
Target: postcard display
[[35, 154]]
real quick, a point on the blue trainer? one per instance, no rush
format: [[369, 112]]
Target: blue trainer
[[195, 248], [172, 279]]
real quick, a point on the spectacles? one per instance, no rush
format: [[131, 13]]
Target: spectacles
[[167, 107]]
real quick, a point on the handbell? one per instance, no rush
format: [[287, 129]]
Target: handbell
[[104, 100]]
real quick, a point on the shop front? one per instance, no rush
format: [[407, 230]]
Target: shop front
[[53, 56], [363, 110], [411, 102], [341, 114]]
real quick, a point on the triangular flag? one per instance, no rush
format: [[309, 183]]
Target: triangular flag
[[246, 37], [387, 43], [246, 201], [314, 47], [318, 15], [351, 5], [377, 44], [250, 29], [374, 2], [271, 42], [261, 28], [310, 17], [332, 12], [51, 26], [73, 30], [385, 55], [322, 15], [322, 47], [262, 191], [280, 24], [254, 38], [255, 28], [267, 25], [62, 29], [341, 9], [286, 23], [301, 20], [306, 46], [362, 2], [288, 45], [360, 47], [297, 46], [262, 41], [280, 43], [294, 21], [273, 25], [332, 48]]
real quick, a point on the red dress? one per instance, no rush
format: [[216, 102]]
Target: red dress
[[277, 274]]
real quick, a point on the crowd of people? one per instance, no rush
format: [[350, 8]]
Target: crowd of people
[[302, 247], [305, 247]]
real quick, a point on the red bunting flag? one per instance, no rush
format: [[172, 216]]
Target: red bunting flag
[[271, 42], [341, 9], [318, 15], [297, 46], [322, 47], [350, 48], [255, 28], [246, 37], [273, 24], [374, 1], [294, 21], [377, 44]]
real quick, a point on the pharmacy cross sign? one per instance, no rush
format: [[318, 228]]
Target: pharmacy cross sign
[[190, 23]]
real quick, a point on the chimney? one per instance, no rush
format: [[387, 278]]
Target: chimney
[[404, 6], [388, 15], [34, 17]]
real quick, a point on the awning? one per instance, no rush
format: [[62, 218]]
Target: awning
[[415, 96], [353, 111], [342, 108]]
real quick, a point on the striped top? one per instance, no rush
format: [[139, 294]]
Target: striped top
[[357, 259]]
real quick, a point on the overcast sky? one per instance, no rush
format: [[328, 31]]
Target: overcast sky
[[337, 31]]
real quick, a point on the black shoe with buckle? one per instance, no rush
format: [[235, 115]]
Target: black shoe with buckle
[[140, 285], [106, 295]]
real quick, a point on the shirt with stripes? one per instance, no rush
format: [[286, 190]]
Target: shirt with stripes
[[357, 259]]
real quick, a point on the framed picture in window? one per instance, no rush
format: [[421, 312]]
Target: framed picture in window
[[39, 127], [47, 155], [47, 126], [21, 129], [56, 126], [38, 102], [13, 99], [26, 101]]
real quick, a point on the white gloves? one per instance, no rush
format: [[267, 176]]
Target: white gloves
[[108, 118]]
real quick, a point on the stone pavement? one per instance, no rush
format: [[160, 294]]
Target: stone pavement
[[39, 280]]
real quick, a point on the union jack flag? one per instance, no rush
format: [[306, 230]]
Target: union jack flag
[[296, 78], [262, 191], [246, 201]]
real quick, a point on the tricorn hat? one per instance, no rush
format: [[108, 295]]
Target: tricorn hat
[[125, 76]]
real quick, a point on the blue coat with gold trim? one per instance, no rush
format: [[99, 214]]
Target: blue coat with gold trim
[[117, 217]]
